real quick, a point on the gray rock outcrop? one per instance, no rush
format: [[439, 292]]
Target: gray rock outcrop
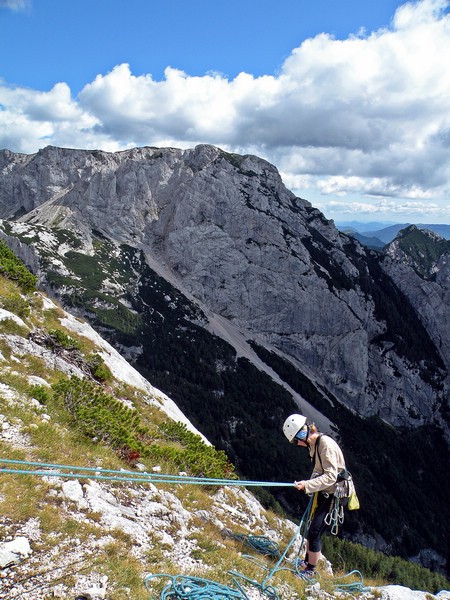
[[226, 230]]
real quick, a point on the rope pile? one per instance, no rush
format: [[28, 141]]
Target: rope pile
[[195, 588]]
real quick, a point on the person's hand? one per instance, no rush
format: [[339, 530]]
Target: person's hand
[[300, 485], [340, 491]]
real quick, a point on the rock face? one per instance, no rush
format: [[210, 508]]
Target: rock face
[[419, 263], [225, 229]]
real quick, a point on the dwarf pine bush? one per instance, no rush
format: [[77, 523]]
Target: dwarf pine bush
[[64, 340], [197, 457], [103, 418], [98, 368], [39, 393], [13, 268], [100, 416]]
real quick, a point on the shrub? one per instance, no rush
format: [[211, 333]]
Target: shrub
[[13, 268], [39, 393], [64, 340], [16, 304], [98, 369], [197, 457], [100, 416]]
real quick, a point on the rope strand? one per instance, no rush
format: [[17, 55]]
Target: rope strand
[[123, 475]]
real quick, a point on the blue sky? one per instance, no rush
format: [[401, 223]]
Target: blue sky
[[349, 99]]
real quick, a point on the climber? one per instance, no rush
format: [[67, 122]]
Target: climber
[[328, 462]]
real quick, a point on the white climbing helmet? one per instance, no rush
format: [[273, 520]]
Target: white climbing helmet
[[292, 426]]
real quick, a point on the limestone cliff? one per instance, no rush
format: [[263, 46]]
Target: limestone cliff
[[225, 229]]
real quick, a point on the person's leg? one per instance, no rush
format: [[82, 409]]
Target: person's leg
[[316, 529], [313, 559], [304, 561]]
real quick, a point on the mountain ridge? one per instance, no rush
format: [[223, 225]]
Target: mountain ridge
[[377, 235], [190, 263]]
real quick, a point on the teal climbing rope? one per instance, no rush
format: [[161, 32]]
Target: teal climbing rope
[[259, 543], [301, 531], [351, 587], [194, 588], [75, 472]]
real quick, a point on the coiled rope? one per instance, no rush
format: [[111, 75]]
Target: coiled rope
[[260, 543], [195, 588]]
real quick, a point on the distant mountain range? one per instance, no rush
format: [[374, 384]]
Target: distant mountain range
[[378, 234]]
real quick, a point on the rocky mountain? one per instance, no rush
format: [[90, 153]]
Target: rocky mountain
[[243, 303], [418, 261]]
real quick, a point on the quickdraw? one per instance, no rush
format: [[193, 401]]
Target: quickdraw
[[335, 516]]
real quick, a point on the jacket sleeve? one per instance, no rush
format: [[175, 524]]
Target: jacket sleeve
[[328, 465]]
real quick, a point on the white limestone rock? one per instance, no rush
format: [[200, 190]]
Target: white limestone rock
[[399, 592], [12, 552]]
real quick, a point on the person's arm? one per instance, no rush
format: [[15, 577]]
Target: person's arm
[[329, 461]]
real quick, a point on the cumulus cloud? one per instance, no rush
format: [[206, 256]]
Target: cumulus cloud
[[369, 114]]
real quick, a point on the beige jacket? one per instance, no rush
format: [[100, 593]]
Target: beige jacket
[[327, 467]]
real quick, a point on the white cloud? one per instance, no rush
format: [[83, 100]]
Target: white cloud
[[377, 186], [15, 4], [420, 210], [368, 115]]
